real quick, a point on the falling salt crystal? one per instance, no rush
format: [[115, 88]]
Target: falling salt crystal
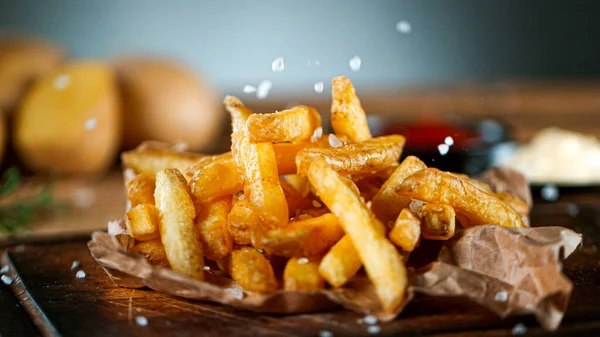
[[370, 320], [355, 63], [317, 63], [6, 279], [302, 260], [277, 65], [248, 89], [236, 293], [316, 203], [141, 320], [206, 268], [549, 192], [319, 87], [75, 265], [308, 63], [4, 270], [403, 27], [80, 274], [572, 209], [501, 296], [325, 333], [263, 89], [373, 329], [519, 329], [449, 141], [317, 134], [334, 141], [242, 197], [443, 148], [61, 82], [91, 123]]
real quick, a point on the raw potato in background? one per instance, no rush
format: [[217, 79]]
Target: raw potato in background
[[70, 122], [22, 61], [164, 102]]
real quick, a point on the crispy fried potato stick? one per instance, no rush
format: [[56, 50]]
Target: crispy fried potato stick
[[177, 231], [340, 263], [252, 270], [142, 222], [347, 115], [370, 156], [140, 190], [291, 125], [439, 221], [302, 274], [294, 199], [218, 178], [241, 222], [258, 166], [406, 231], [211, 223], [481, 208], [152, 157], [382, 262], [153, 251], [386, 203]]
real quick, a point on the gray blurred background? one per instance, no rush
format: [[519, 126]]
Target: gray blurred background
[[233, 43]]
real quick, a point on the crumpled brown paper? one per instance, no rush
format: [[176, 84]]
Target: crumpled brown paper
[[480, 263]]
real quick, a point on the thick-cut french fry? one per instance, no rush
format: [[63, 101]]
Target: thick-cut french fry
[[295, 124], [406, 231], [370, 156], [252, 270], [152, 157], [351, 185], [386, 203], [438, 221], [294, 199], [517, 204], [302, 274], [340, 263], [299, 183], [211, 223], [382, 262], [205, 161], [306, 237], [142, 222], [153, 251], [218, 178], [477, 183], [177, 231], [241, 222], [140, 190], [285, 155], [258, 165], [481, 208], [347, 115]]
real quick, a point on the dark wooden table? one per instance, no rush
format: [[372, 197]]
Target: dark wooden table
[[47, 299]]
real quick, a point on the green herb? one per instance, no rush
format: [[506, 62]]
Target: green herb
[[19, 214]]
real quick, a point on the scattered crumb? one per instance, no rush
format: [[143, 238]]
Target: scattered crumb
[[236, 293], [303, 260], [242, 197], [373, 329], [519, 329], [325, 333], [501, 296], [80, 274], [334, 141], [319, 87], [443, 149], [75, 265], [141, 320], [6, 279], [277, 65], [355, 63], [316, 203], [4, 270], [370, 320]]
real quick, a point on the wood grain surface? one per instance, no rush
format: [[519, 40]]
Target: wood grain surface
[[61, 304]]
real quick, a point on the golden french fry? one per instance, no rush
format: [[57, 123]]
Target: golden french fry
[[340, 263], [211, 223], [406, 231], [285, 155], [302, 274], [438, 221], [305, 237], [386, 203], [219, 178], [481, 208], [370, 156], [176, 225], [140, 190], [241, 222], [152, 157], [351, 185], [297, 123], [294, 199], [347, 115], [299, 183], [142, 222], [517, 204], [205, 161], [258, 164], [153, 251], [383, 264], [252, 270]]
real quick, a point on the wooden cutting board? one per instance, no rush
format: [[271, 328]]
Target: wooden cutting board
[[60, 304]]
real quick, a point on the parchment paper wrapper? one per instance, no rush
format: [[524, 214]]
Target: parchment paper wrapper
[[479, 263]]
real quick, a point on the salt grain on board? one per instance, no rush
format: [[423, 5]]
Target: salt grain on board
[[373, 329], [141, 321], [277, 65], [80, 274], [319, 87], [75, 265], [355, 63], [370, 320], [443, 149], [236, 293], [501, 296], [248, 89], [6, 279], [549, 193], [206, 268], [4, 270], [263, 89], [325, 333], [334, 141], [303, 260], [61, 82], [519, 329], [403, 27]]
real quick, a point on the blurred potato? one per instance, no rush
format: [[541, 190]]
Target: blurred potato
[[166, 102], [22, 62], [302, 274], [252, 270], [153, 251], [140, 190], [70, 122], [142, 222]]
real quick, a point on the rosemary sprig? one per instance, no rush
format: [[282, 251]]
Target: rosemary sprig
[[19, 214]]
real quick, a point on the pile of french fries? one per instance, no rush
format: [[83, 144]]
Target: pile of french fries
[[292, 208]]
